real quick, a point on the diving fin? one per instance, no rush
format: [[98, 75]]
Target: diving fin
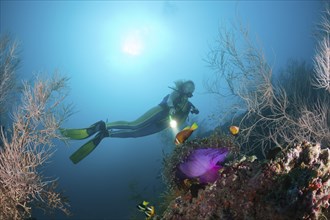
[[87, 148], [78, 134]]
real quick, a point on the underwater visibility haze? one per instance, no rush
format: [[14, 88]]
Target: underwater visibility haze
[[122, 58]]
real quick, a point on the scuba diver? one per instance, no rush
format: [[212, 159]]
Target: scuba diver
[[174, 106]]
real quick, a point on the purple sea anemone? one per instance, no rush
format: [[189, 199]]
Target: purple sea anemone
[[204, 164]]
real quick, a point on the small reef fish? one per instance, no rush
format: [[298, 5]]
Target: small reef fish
[[234, 130], [183, 135], [149, 211]]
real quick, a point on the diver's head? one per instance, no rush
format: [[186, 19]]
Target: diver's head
[[188, 88]]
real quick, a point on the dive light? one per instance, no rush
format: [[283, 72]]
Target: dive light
[[173, 123]]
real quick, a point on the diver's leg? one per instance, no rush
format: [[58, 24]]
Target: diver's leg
[[155, 124], [149, 117], [142, 131]]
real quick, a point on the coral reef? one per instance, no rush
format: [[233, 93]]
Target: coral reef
[[27, 140], [27, 146], [271, 108], [9, 62], [293, 185], [292, 182], [172, 161]]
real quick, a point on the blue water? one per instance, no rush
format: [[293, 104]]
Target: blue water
[[121, 57]]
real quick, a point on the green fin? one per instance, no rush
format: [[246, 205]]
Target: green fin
[[82, 133], [75, 134], [87, 148]]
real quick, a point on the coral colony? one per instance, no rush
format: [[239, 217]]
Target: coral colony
[[293, 185]]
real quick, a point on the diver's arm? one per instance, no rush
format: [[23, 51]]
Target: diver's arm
[[170, 102], [194, 110], [171, 98]]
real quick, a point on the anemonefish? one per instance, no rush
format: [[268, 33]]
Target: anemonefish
[[234, 130], [183, 135], [149, 211]]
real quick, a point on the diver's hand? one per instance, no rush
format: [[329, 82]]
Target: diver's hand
[[172, 111], [195, 111]]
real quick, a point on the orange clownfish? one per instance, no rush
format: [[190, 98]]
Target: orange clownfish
[[234, 130], [183, 135]]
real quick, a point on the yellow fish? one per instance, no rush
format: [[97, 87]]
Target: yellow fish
[[149, 211], [234, 130], [142, 207], [183, 135]]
